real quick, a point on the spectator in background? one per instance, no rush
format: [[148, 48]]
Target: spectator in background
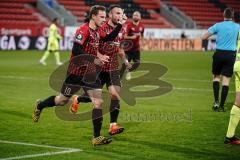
[[53, 43]]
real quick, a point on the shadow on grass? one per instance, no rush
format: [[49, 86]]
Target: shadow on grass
[[228, 106], [186, 152]]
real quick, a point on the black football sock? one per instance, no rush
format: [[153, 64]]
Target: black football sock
[[49, 102], [135, 65], [223, 95], [114, 110], [97, 121], [216, 91]]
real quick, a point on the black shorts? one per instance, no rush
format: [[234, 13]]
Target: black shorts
[[133, 56], [110, 78], [223, 62], [74, 83]]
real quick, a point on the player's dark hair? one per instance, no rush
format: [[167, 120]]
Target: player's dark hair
[[228, 13], [111, 7], [95, 10]]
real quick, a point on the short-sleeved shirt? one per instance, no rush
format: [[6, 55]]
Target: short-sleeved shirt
[[110, 48], [132, 29], [227, 33]]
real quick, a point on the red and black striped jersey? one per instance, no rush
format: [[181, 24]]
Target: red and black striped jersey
[[110, 48], [132, 29], [89, 39]]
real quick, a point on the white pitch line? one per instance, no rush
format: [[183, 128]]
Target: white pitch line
[[41, 154], [175, 79], [34, 78], [31, 144], [196, 89], [65, 150], [20, 77], [187, 80], [179, 88]]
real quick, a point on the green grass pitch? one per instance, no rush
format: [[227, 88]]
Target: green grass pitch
[[197, 134]]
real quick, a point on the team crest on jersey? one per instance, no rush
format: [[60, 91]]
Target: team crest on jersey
[[79, 38]]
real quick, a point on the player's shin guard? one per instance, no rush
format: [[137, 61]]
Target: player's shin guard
[[97, 121], [49, 102], [233, 122], [114, 110]]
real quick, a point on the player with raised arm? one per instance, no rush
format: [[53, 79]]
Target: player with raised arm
[[110, 74]]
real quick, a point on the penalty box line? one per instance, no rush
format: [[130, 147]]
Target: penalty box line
[[64, 150]]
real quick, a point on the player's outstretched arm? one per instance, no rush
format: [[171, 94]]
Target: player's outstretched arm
[[206, 35], [111, 36]]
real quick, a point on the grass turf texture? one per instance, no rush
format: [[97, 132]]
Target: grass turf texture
[[23, 80]]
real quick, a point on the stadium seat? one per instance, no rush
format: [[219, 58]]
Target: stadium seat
[[18, 17], [19, 1], [14, 5], [203, 12], [19, 13], [235, 4], [150, 19]]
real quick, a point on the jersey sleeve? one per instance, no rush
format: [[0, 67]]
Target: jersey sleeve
[[81, 35], [213, 29], [104, 36]]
